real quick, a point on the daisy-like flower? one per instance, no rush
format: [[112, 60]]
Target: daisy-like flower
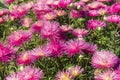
[[7, 53], [26, 21], [63, 75], [36, 27], [94, 24], [95, 5], [9, 1], [66, 28], [25, 58], [107, 75], [56, 48], [31, 73], [64, 3], [113, 18], [115, 8], [74, 14], [16, 38], [27, 73], [80, 32], [60, 12], [41, 7], [73, 47], [75, 71], [50, 30], [49, 16], [104, 59], [13, 76], [3, 12], [41, 51]]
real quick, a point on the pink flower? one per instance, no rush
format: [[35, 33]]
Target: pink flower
[[25, 58], [64, 3], [16, 38], [94, 24], [7, 53], [66, 28], [28, 73], [36, 27], [74, 14], [31, 73], [113, 18], [9, 1], [3, 12], [115, 8], [56, 48], [80, 32], [107, 75], [41, 7], [104, 59], [73, 47], [26, 21], [75, 71], [60, 12], [63, 75], [50, 30]]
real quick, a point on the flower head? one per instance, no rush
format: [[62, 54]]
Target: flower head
[[104, 59], [93, 24], [63, 75], [75, 71]]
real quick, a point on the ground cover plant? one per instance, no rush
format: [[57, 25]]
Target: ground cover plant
[[59, 40]]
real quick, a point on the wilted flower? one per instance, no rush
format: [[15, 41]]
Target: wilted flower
[[94, 24], [63, 75], [75, 71], [104, 59]]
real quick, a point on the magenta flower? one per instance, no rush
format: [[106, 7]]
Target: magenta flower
[[41, 7], [104, 59], [7, 53], [48, 16], [25, 58], [94, 24], [73, 47], [3, 12], [36, 27], [26, 22], [56, 48], [95, 5], [16, 38], [28, 73], [113, 18], [74, 14], [107, 75], [50, 30], [66, 28], [63, 75], [9, 1], [93, 13], [60, 12], [115, 8], [64, 3], [39, 52], [75, 71], [31, 73], [80, 32]]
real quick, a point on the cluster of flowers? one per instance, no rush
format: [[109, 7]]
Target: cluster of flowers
[[58, 43]]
